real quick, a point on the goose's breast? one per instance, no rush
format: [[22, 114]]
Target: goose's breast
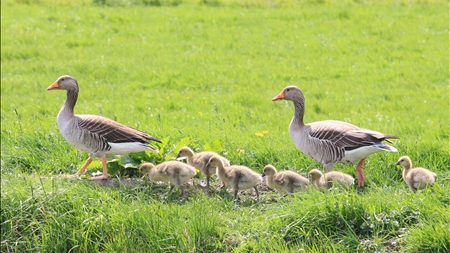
[[75, 138], [303, 142]]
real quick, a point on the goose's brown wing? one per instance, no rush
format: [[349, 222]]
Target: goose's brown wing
[[344, 135], [112, 131]]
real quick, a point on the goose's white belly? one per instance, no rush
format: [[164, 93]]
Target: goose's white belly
[[126, 147], [358, 154]]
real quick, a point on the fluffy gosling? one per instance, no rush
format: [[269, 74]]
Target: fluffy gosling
[[417, 178], [239, 177], [326, 181], [173, 173], [200, 160], [284, 181]]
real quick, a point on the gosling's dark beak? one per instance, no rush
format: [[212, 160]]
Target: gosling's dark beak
[[178, 156], [208, 164], [263, 175], [397, 163]]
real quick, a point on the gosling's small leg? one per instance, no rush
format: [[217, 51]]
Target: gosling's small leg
[[257, 193], [171, 187], [235, 194]]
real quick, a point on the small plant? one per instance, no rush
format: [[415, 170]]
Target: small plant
[[128, 165]]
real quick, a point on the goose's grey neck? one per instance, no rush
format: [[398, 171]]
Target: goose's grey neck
[[71, 100], [299, 107]]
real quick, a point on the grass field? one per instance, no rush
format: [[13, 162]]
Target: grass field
[[203, 73]]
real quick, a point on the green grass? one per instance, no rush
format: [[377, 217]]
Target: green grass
[[204, 73]]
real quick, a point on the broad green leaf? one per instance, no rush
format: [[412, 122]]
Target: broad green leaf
[[126, 161]]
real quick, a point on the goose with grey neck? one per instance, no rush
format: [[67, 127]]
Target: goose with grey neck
[[330, 142], [94, 134]]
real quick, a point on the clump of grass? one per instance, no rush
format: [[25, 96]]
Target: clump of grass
[[94, 219]]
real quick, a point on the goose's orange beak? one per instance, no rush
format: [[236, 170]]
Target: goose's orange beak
[[279, 96], [53, 86]]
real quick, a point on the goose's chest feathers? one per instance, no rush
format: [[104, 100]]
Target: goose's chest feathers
[[67, 126], [300, 136]]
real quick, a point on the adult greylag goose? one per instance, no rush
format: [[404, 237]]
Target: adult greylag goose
[[330, 142], [174, 173], [284, 181], [239, 177], [200, 160], [96, 135], [326, 181], [417, 178]]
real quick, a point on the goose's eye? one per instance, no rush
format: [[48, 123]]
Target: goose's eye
[[287, 89], [62, 79]]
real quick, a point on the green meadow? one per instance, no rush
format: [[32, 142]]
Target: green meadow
[[203, 73]]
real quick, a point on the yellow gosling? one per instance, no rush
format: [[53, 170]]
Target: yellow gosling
[[238, 177], [284, 181], [416, 178], [173, 173], [200, 160], [327, 180]]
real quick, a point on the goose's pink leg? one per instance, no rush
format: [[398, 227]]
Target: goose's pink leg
[[360, 173], [105, 174], [81, 171]]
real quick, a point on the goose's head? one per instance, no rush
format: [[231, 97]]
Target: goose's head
[[404, 161], [185, 152], [215, 161], [315, 174], [269, 170], [290, 93], [146, 168], [64, 83]]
